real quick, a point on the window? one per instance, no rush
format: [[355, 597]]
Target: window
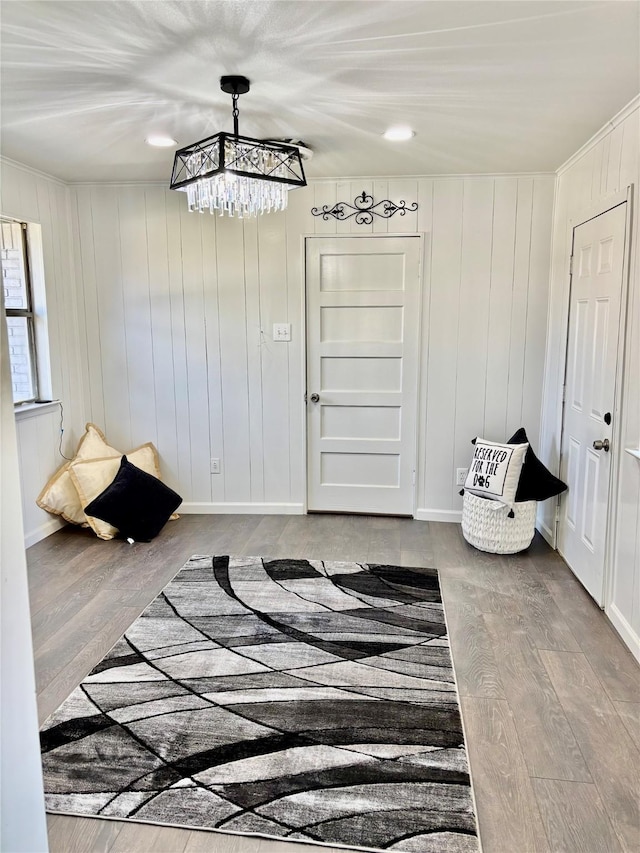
[[18, 305]]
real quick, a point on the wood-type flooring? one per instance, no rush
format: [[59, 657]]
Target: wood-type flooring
[[550, 696]]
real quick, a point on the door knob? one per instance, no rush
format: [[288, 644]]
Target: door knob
[[602, 445], [315, 398]]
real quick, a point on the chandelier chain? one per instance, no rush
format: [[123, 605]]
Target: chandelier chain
[[236, 112]]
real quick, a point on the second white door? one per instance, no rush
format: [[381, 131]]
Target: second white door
[[587, 436], [362, 358]]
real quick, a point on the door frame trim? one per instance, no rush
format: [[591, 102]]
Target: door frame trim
[[421, 235], [587, 213]]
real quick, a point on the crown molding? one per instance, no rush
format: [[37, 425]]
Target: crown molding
[[428, 177], [339, 179], [599, 135], [30, 170]]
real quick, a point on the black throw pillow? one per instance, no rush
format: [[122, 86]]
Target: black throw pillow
[[536, 483], [137, 503]]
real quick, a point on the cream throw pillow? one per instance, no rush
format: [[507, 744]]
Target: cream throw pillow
[[92, 476], [60, 496]]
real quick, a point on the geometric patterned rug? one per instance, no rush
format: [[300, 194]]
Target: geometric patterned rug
[[300, 699]]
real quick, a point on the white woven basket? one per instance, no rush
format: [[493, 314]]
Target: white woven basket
[[486, 524]]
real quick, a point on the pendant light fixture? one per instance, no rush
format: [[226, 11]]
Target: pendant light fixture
[[234, 174]]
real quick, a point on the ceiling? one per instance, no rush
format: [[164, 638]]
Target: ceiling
[[488, 86]]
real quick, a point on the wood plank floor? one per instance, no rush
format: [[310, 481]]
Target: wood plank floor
[[550, 696]]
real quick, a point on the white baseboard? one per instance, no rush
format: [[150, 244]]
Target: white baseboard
[[229, 508], [42, 531], [627, 634], [546, 532], [448, 515]]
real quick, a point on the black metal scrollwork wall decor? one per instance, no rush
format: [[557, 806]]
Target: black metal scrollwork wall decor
[[364, 209]]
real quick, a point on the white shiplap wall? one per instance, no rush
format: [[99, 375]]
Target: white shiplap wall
[[609, 163], [176, 311], [33, 197]]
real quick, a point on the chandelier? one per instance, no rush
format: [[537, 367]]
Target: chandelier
[[236, 174]]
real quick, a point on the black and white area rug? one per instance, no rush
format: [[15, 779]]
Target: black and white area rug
[[308, 700]]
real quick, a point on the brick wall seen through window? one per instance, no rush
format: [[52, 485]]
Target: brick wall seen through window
[[18, 303]]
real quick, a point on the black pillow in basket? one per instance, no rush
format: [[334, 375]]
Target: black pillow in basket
[[536, 482], [137, 503]]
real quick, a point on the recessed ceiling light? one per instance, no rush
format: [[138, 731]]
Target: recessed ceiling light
[[399, 133], [160, 141]]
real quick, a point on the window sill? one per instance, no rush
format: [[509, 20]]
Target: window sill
[[33, 410]]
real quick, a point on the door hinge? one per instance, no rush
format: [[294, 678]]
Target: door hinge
[[557, 513], [564, 393], [571, 265], [413, 478]]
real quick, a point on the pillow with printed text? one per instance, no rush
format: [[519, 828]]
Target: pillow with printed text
[[495, 469]]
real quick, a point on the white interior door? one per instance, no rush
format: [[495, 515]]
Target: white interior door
[[592, 351], [362, 358]]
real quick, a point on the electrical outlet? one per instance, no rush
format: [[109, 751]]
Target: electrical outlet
[[282, 331], [215, 466], [461, 476]]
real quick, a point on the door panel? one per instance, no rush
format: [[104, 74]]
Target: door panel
[[362, 355], [350, 323], [594, 319]]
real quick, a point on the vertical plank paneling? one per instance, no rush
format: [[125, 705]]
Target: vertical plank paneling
[[500, 299], [613, 162], [356, 188], [630, 154], [380, 193], [137, 315], [90, 346], [325, 193], [53, 286], [604, 169], [63, 367], [155, 217], [38, 437], [537, 304], [425, 226], [406, 191], [175, 203], [191, 226], [255, 340], [473, 323], [115, 369], [214, 372], [27, 437], [343, 193], [233, 348], [73, 385], [599, 160], [448, 198], [273, 304], [518, 321], [10, 186], [29, 196]]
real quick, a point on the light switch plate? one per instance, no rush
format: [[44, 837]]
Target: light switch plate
[[282, 331]]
